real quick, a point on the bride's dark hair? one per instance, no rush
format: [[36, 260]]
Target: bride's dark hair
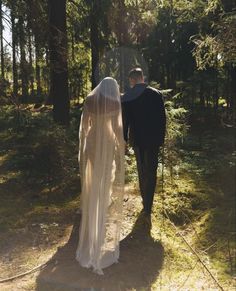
[[136, 73], [105, 97]]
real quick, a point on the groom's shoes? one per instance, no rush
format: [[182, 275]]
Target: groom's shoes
[[144, 211], [146, 217], [142, 227]]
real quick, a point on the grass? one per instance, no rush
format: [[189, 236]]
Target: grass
[[40, 186], [200, 200]]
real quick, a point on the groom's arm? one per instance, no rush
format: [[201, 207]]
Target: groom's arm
[[125, 119], [162, 121]]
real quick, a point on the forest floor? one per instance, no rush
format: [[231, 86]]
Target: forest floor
[[39, 199]]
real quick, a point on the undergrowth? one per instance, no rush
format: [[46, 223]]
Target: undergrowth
[[40, 178]]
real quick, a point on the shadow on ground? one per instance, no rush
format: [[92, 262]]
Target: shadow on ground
[[140, 262]]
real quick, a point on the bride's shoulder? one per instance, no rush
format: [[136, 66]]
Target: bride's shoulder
[[89, 99]]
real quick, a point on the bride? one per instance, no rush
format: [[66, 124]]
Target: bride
[[101, 158]]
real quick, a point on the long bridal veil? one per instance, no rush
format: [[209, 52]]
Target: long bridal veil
[[101, 158]]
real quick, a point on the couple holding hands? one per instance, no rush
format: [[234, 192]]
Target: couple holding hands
[[108, 122]]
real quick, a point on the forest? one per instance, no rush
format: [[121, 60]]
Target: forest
[[52, 54]]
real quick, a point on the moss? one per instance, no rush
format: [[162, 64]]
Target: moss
[[40, 185]]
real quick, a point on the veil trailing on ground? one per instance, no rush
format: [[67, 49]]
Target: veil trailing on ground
[[101, 158]]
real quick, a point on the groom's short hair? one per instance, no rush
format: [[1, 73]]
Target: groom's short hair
[[136, 73]]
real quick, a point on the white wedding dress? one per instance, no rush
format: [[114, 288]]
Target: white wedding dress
[[101, 158]]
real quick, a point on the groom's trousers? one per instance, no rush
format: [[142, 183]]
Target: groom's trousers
[[147, 162]]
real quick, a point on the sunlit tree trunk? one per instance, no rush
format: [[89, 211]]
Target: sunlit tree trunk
[[72, 45], [31, 62], [14, 65], [46, 77], [1, 44], [23, 62], [37, 66]]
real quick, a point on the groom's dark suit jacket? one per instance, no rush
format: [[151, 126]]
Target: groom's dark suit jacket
[[144, 118]]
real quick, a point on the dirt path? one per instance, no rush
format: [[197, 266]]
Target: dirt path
[[157, 262], [141, 259]]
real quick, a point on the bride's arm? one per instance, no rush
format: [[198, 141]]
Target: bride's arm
[[118, 128], [83, 132]]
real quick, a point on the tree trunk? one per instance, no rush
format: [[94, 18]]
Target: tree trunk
[[73, 87], [46, 77], [94, 41], [162, 76], [31, 63], [216, 93], [233, 92], [23, 62], [14, 66], [58, 61], [1, 44], [168, 76], [72, 45], [37, 67], [201, 94]]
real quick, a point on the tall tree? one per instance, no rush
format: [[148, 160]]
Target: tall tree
[[97, 16], [14, 41], [37, 18], [23, 61], [1, 43], [94, 40], [58, 61], [30, 46]]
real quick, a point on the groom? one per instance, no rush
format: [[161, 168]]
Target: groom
[[144, 123]]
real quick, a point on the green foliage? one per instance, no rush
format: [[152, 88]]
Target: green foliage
[[79, 71], [176, 130], [205, 52], [45, 153], [184, 206], [177, 39], [189, 48], [216, 47], [131, 174]]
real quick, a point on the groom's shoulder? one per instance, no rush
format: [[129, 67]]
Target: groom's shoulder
[[153, 91]]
